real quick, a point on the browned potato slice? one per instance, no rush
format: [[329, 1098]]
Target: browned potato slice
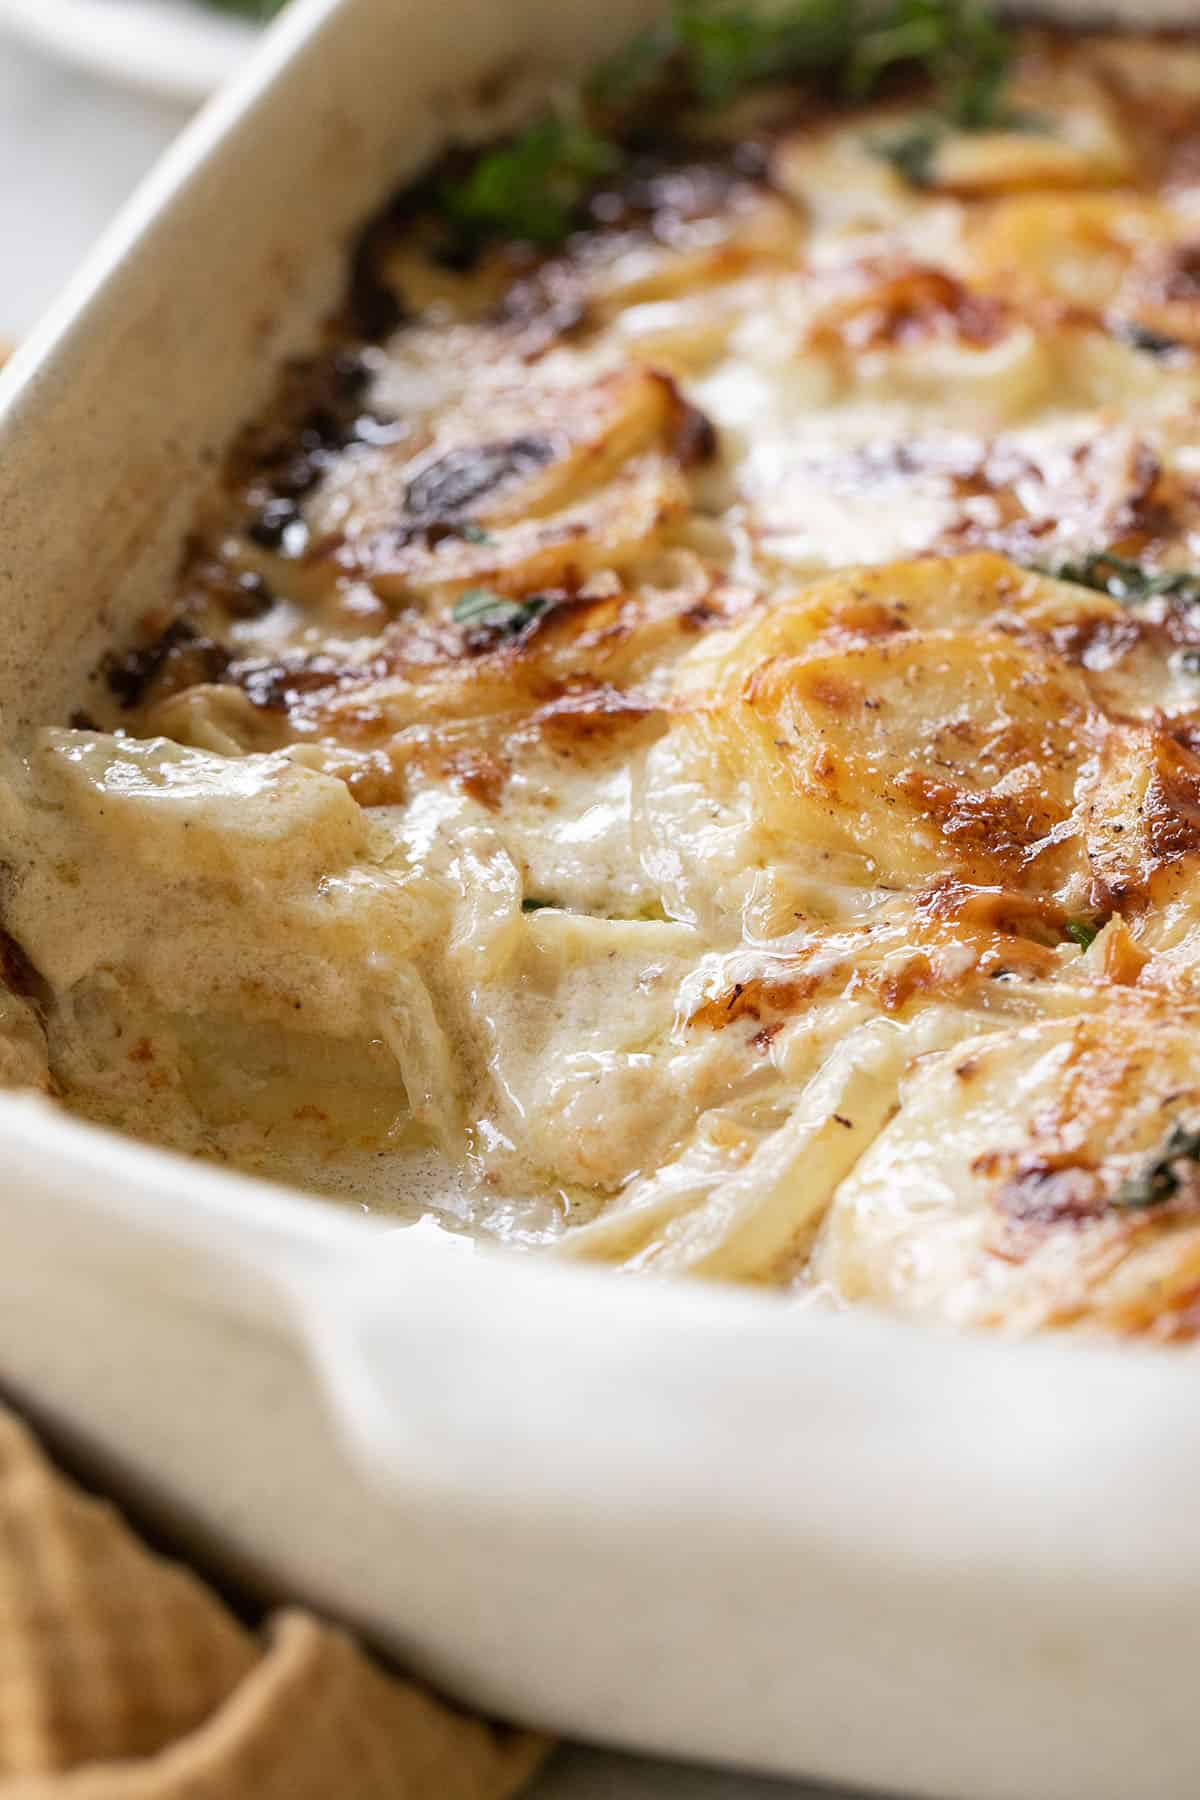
[[1028, 1180]]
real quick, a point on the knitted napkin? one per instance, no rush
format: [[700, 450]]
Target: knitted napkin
[[123, 1677]]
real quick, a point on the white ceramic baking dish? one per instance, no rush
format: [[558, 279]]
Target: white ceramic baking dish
[[670, 1516]]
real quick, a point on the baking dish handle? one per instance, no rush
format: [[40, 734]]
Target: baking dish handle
[[471, 1372]]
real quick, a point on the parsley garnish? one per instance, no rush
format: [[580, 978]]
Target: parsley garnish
[[474, 534], [531, 187], [968, 55], [912, 152], [1123, 580], [1082, 932], [531, 905], [965, 50], [708, 50], [1158, 1180], [535, 186], [724, 48], [496, 612]]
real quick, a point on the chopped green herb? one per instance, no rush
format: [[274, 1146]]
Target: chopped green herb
[[496, 612], [972, 67], [965, 50], [1159, 1179], [531, 905], [707, 50], [474, 534], [911, 31], [531, 187], [912, 152], [1123, 580], [711, 49], [1082, 932], [535, 186], [729, 47]]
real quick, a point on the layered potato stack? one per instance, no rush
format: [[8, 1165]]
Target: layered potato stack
[[624, 770]]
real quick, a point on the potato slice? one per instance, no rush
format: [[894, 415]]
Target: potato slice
[[1016, 1186]]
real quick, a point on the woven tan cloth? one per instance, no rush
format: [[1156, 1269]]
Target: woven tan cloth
[[123, 1677]]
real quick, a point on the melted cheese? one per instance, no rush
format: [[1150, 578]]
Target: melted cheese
[[714, 894]]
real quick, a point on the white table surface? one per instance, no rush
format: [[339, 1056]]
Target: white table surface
[[70, 152]]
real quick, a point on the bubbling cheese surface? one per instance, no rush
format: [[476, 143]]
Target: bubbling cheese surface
[[618, 774]]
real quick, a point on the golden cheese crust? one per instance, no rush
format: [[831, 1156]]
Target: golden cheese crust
[[687, 748]]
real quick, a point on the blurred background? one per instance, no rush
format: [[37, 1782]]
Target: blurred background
[[71, 150], [91, 91]]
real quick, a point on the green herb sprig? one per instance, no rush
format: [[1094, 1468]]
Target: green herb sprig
[[485, 609], [1128, 582], [1082, 932], [966, 52], [534, 187], [709, 50], [912, 152]]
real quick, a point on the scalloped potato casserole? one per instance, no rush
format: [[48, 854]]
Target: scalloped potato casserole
[[682, 745]]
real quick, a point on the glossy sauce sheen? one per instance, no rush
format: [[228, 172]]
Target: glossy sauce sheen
[[765, 871]]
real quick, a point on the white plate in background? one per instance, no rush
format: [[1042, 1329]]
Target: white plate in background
[[177, 48]]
